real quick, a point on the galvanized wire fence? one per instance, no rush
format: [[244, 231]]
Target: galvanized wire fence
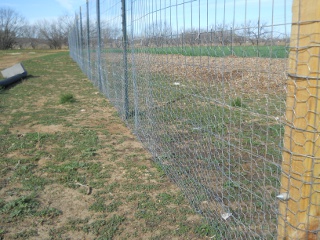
[[203, 85]]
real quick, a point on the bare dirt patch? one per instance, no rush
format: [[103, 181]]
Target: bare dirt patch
[[38, 129], [250, 74]]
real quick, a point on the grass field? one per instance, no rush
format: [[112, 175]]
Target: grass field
[[70, 169], [222, 51], [216, 51]]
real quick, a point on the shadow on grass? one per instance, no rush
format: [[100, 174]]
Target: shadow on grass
[[2, 88]]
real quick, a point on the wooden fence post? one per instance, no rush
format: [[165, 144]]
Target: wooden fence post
[[299, 207]]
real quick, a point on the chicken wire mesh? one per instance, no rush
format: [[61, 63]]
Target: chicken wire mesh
[[203, 86]]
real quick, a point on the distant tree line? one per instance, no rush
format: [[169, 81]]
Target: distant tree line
[[16, 32], [250, 33], [161, 34]]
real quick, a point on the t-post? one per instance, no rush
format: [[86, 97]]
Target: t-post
[[125, 58]]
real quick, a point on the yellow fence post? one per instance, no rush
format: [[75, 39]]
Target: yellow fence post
[[299, 207]]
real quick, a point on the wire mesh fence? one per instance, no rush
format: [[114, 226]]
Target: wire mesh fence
[[202, 83]]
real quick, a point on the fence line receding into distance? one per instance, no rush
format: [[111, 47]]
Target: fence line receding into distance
[[219, 91]]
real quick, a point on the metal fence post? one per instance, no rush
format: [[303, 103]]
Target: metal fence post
[[299, 207], [81, 41], [75, 35], [125, 58], [88, 41], [134, 80], [99, 45], [77, 38], [231, 30]]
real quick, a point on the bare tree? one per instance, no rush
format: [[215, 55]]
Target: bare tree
[[51, 32], [239, 35], [65, 22], [110, 34], [223, 34], [30, 35], [191, 36], [11, 25], [256, 32], [157, 33], [55, 32]]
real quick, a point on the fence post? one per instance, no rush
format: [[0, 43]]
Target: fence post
[[81, 40], [299, 207], [231, 30], [134, 80], [78, 44], [125, 58], [76, 36], [99, 44], [88, 42]]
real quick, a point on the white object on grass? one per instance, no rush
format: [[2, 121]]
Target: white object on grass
[[225, 216]]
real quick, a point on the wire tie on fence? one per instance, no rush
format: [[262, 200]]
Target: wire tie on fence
[[293, 127], [305, 22], [283, 196], [304, 47], [300, 155], [300, 76]]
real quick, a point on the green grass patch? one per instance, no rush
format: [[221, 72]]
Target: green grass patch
[[23, 206], [206, 230], [49, 212], [26, 234], [215, 51], [237, 102], [105, 229], [67, 98], [223, 51], [99, 205]]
